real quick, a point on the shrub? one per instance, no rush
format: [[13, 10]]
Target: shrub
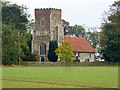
[[51, 53]]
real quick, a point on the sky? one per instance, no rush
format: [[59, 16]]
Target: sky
[[80, 12]]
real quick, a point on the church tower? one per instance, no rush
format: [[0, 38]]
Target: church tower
[[48, 27]]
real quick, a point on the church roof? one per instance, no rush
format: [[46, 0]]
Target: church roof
[[80, 44]]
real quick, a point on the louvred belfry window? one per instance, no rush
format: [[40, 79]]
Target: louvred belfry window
[[42, 22]]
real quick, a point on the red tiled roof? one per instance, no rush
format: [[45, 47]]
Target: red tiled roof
[[80, 44]]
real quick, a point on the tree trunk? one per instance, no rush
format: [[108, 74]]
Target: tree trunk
[[18, 48]]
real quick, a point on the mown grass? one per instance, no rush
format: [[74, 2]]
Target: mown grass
[[60, 77]]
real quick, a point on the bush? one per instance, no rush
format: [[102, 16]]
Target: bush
[[51, 53], [6, 61], [30, 57], [37, 58], [65, 52]]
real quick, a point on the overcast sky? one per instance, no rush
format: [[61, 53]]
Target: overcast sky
[[88, 12]]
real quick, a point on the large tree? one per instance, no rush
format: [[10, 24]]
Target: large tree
[[15, 35], [110, 35], [9, 45]]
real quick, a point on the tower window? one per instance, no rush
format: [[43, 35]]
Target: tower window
[[56, 36], [42, 22], [42, 49], [55, 22]]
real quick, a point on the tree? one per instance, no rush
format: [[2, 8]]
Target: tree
[[9, 45], [78, 31], [93, 37], [110, 35], [110, 44], [51, 53], [15, 35], [66, 26], [65, 52], [15, 16]]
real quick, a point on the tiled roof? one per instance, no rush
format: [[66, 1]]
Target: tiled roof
[[80, 44]]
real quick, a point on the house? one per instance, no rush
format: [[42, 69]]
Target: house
[[82, 48]]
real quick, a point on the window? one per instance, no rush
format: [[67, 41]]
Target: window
[[56, 36], [55, 22], [42, 22], [42, 49], [90, 55]]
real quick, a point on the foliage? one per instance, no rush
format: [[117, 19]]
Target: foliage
[[65, 52], [13, 15], [110, 35], [110, 43], [66, 26], [9, 46], [51, 54], [93, 37], [77, 30], [15, 36]]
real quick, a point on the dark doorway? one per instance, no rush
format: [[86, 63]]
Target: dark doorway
[[86, 60], [42, 59]]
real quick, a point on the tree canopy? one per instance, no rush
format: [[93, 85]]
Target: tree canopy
[[91, 34], [110, 35], [65, 52], [93, 38], [15, 35], [77, 30]]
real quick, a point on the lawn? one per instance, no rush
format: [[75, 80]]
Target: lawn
[[60, 77]]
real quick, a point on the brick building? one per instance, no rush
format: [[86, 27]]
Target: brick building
[[48, 26]]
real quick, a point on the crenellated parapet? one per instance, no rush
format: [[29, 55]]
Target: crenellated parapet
[[48, 9]]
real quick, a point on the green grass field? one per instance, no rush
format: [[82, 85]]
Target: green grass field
[[59, 77]]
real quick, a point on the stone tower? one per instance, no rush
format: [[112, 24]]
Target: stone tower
[[48, 26]]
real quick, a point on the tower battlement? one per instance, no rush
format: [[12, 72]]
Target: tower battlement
[[48, 9]]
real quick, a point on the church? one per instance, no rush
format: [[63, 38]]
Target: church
[[48, 27]]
